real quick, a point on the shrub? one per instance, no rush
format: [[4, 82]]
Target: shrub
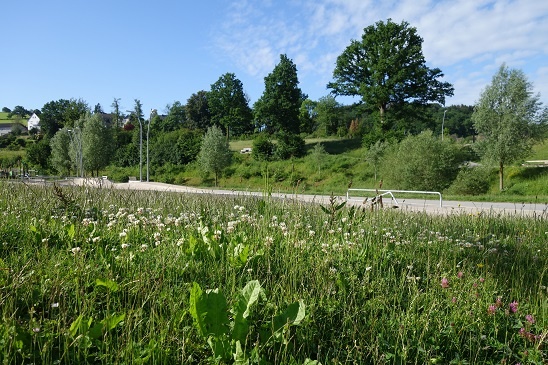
[[290, 145], [422, 162], [263, 148], [471, 181]]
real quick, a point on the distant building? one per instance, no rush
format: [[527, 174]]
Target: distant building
[[8, 128], [33, 122]]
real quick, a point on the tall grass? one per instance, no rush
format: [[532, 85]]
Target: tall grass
[[104, 276]]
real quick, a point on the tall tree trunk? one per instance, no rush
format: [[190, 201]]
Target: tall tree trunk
[[501, 176], [382, 109]]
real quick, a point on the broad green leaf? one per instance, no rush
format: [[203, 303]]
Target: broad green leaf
[[80, 325], [33, 228], [247, 298], [338, 207], [209, 311], [71, 231], [107, 283], [111, 322], [197, 309], [311, 362], [239, 355], [220, 345], [216, 319], [96, 331], [325, 209], [293, 315]]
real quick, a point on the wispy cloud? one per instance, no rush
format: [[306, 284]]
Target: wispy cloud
[[467, 39]]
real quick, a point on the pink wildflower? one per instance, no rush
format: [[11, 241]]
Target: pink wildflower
[[514, 306], [454, 299], [498, 303], [492, 309], [482, 280], [530, 318], [444, 283], [460, 274]]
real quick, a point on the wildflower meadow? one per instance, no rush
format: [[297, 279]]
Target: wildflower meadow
[[106, 276]]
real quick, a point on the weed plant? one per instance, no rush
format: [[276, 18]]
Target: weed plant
[[107, 276]]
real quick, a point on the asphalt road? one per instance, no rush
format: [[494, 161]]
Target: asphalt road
[[415, 205]]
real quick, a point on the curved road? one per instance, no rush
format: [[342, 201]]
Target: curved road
[[430, 206]]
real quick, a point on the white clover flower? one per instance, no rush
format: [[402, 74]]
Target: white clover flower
[[125, 245], [55, 305], [123, 234], [311, 233], [144, 247], [96, 239], [76, 250]]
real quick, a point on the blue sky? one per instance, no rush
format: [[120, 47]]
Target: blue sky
[[165, 50]]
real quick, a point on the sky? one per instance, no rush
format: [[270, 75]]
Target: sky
[[163, 51]]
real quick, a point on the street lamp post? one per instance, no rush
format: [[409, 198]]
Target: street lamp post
[[140, 149], [442, 123], [152, 112]]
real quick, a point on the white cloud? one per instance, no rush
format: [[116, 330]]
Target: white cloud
[[467, 39]]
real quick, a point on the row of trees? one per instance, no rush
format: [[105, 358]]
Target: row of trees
[[399, 95]]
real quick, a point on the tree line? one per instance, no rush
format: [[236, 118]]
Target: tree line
[[398, 95]]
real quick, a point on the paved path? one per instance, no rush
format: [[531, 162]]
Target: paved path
[[430, 206]]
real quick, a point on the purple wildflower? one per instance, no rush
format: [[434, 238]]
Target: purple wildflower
[[514, 306]]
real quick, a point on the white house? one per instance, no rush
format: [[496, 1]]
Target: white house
[[33, 122]]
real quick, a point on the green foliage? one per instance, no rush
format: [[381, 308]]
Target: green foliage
[[278, 109], [472, 181], [509, 118], [38, 153], [60, 153], [230, 340], [375, 153], [61, 114], [229, 107], [197, 110], [214, 155], [97, 143], [421, 162], [289, 146], [318, 155], [380, 287], [387, 67], [263, 148], [178, 147], [175, 119], [328, 116]]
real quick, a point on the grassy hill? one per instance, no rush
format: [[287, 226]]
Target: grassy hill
[[5, 120]]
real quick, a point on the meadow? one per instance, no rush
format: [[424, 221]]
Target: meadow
[[106, 276]]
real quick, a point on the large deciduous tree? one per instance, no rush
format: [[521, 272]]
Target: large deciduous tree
[[509, 118], [197, 110], [61, 113], [278, 108], [97, 143], [215, 153], [19, 111], [387, 69], [229, 106], [60, 151], [175, 119]]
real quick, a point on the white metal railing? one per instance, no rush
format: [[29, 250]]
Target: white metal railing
[[390, 192]]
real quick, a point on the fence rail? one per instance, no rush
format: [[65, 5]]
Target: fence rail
[[391, 193]]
